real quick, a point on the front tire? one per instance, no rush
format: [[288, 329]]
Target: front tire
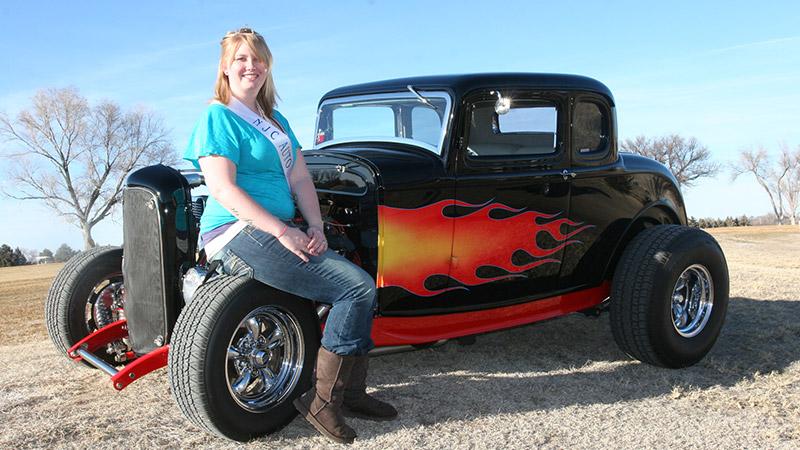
[[669, 296], [241, 352], [85, 295]]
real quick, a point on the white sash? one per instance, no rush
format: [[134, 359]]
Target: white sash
[[270, 131], [282, 146]]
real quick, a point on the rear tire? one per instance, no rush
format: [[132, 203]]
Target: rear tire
[[226, 336], [70, 306], [669, 296]]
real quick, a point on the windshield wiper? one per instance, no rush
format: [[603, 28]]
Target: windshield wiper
[[421, 98]]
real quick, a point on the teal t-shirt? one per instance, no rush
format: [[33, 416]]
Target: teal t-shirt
[[258, 170]]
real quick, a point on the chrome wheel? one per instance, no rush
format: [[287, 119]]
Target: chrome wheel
[[692, 300], [264, 358], [105, 303]]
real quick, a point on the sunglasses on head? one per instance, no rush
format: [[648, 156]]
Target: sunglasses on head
[[243, 30]]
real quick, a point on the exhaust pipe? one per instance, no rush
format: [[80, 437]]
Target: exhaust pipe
[[390, 350]]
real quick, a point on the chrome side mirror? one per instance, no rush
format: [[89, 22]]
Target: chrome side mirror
[[502, 105]]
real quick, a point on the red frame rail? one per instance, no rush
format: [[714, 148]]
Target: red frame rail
[[386, 331], [84, 350]]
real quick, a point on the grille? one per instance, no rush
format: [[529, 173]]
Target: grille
[[143, 269]]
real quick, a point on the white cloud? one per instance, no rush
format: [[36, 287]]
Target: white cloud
[[750, 45]]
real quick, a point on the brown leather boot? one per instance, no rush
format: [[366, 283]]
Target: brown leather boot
[[357, 403], [321, 406]]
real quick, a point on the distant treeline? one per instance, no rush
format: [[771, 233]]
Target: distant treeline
[[20, 257], [710, 222], [741, 221], [9, 257]]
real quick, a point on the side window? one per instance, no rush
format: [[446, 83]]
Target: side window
[[589, 128], [527, 129]]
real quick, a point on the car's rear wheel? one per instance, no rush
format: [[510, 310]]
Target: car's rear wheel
[[241, 352], [87, 294], [669, 296]]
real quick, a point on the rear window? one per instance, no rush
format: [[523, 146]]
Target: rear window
[[590, 128]]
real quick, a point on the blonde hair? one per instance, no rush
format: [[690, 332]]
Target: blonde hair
[[267, 95]]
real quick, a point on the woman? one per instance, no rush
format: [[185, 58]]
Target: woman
[[252, 167]]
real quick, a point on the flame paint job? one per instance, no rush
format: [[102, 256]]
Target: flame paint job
[[415, 244]]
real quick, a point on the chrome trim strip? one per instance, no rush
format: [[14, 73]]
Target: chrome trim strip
[[351, 194]]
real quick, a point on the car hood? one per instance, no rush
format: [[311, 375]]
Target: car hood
[[388, 164]]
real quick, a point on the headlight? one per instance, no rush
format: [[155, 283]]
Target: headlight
[[192, 280]]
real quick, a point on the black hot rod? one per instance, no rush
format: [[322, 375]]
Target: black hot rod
[[477, 202]]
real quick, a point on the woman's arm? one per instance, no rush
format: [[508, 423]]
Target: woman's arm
[[308, 204], [303, 188], [220, 176]]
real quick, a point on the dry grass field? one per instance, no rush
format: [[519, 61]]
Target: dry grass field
[[558, 384]]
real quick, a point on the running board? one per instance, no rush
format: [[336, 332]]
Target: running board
[[84, 350]]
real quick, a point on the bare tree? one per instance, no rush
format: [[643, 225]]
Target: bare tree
[[30, 254], [781, 181], [792, 161], [686, 158], [75, 158]]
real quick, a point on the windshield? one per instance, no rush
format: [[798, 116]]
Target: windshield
[[395, 117]]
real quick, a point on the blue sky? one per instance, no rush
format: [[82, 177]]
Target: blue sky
[[726, 73]]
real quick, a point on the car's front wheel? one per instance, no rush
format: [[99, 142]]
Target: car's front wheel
[[669, 296], [87, 294], [241, 352]]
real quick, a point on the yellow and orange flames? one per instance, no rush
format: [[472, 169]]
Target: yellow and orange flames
[[415, 244]]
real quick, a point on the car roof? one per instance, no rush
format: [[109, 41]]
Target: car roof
[[464, 83]]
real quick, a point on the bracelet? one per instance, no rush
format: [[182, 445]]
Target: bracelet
[[283, 231]]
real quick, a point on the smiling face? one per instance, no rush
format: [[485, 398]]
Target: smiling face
[[246, 73]]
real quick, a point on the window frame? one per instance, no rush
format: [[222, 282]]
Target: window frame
[[548, 161], [439, 94], [603, 154]]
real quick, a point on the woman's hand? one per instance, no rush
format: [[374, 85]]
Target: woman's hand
[[297, 242], [308, 204], [318, 244]]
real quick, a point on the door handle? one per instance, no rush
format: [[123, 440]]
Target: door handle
[[566, 174]]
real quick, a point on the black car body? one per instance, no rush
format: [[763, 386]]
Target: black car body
[[598, 197], [477, 202]]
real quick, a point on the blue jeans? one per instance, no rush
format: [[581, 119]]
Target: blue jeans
[[328, 278]]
